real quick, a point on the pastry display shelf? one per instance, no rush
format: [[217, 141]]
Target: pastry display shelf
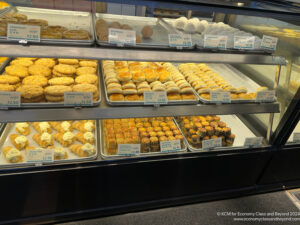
[[104, 111], [15, 50]]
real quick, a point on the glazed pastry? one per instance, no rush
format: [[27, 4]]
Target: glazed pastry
[[23, 128], [42, 127], [85, 150], [87, 137], [12, 155], [65, 139], [20, 142], [44, 140]]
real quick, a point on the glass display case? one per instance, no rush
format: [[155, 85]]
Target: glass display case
[[116, 106]]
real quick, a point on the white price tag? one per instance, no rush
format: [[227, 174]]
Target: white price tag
[[78, 98], [269, 43], [296, 137], [211, 143], [40, 155], [122, 37], [265, 96], [155, 97], [170, 146], [215, 41], [10, 99], [129, 149], [244, 42], [220, 96], [180, 40], [253, 142], [23, 32]]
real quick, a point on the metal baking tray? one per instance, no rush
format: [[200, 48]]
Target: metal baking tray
[[69, 19], [103, 146], [53, 104], [159, 39], [234, 77], [10, 129], [237, 127], [170, 102]]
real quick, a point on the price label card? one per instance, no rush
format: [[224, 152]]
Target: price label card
[[211, 143], [155, 97], [122, 37], [296, 137], [78, 98], [220, 96], [129, 149], [265, 96], [40, 155], [170, 146], [180, 40], [269, 43], [215, 41], [253, 142], [23, 32], [10, 99], [244, 42]]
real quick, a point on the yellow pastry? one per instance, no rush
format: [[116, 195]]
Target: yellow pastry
[[87, 137], [84, 126], [19, 141], [23, 128], [44, 140], [42, 127], [12, 155], [65, 139], [85, 150]]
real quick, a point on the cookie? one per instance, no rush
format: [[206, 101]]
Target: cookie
[[45, 62], [7, 87], [22, 62], [30, 91], [31, 100], [65, 69], [85, 70], [85, 88], [57, 74], [68, 61], [17, 70], [8, 79], [51, 98], [35, 80], [61, 81], [39, 70], [86, 79], [57, 90], [88, 64]]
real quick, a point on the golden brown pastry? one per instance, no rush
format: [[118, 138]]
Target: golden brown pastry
[[19, 141], [87, 137], [44, 139], [12, 155], [65, 139], [85, 150], [23, 128]]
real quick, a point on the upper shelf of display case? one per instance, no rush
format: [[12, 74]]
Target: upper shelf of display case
[[136, 54]]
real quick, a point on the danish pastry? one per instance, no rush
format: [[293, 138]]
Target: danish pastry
[[87, 126], [85, 150], [23, 128], [44, 140], [42, 127], [65, 139], [87, 137]]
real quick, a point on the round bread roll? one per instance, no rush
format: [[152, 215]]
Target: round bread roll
[[180, 23], [189, 27], [116, 25], [147, 31]]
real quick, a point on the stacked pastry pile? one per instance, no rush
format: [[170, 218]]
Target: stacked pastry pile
[[145, 131], [47, 31], [132, 79], [76, 137], [204, 80], [199, 128], [47, 79]]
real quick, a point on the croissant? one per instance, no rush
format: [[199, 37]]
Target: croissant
[[82, 150], [42, 127], [87, 137], [12, 155], [38, 138], [20, 142], [65, 139]]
